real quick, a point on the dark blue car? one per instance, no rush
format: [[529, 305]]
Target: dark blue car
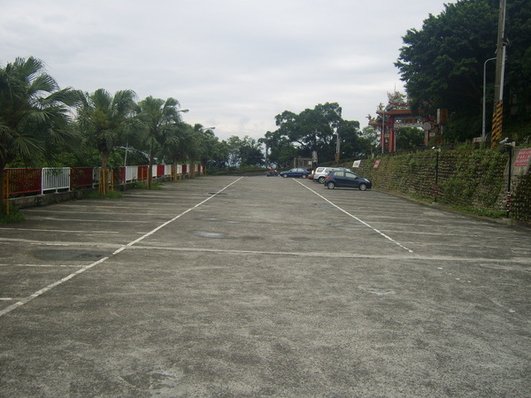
[[345, 178], [297, 173]]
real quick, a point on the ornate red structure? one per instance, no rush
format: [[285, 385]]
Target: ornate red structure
[[396, 114]]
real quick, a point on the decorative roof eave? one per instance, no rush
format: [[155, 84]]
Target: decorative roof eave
[[395, 112]]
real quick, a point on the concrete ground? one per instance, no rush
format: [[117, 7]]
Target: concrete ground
[[257, 287]]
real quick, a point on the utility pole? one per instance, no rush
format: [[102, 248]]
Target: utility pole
[[497, 117], [338, 146]]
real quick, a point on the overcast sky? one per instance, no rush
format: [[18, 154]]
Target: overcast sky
[[234, 63]]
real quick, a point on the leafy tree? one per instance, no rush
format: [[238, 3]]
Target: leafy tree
[[34, 112], [315, 130], [281, 151], [369, 140], [104, 119], [234, 144], [442, 64], [250, 152], [312, 129], [211, 152], [351, 145], [409, 138], [160, 117]]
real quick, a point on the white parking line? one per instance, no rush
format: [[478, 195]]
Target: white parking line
[[42, 265], [45, 289], [69, 231], [356, 218]]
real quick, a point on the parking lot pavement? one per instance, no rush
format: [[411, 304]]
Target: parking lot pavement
[[255, 286]]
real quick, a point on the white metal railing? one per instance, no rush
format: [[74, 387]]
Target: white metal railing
[[131, 173], [55, 178]]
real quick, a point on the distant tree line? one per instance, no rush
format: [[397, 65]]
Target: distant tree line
[[44, 125], [317, 130], [442, 67]]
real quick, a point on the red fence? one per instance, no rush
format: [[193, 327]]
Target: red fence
[[82, 177], [29, 181], [24, 181]]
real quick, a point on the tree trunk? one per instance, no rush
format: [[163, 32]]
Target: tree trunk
[[150, 167], [103, 173], [4, 202]]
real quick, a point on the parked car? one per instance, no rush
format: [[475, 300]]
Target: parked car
[[297, 173], [321, 172], [344, 178]]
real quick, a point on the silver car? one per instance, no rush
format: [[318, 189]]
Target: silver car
[[321, 172]]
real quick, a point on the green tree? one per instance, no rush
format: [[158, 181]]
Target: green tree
[[104, 120], [250, 152], [234, 144], [351, 146], [312, 129], [442, 64], [281, 151], [210, 151], [409, 138], [34, 112], [160, 118], [369, 139]]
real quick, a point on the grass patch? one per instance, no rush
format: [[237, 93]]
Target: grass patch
[[474, 211], [14, 216]]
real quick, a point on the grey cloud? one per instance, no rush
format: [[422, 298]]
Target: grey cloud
[[234, 63]]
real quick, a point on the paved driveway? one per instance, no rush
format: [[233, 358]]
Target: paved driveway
[[256, 286]]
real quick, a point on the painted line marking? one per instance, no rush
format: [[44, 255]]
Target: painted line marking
[[58, 243], [68, 231], [45, 289], [357, 219], [79, 220], [43, 265]]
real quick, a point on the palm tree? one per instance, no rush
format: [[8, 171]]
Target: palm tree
[[161, 119], [34, 112], [104, 119]]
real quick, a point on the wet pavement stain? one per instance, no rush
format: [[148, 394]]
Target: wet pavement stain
[[68, 254]]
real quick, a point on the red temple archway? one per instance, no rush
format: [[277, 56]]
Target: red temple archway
[[397, 113]]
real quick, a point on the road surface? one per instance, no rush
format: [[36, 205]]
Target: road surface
[[262, 287]]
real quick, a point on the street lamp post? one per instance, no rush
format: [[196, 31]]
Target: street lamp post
[[483, 132]]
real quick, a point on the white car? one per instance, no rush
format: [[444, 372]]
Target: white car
[[321, 172]]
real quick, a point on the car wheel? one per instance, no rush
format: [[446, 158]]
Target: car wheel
[[330, 185], [285, 175], [321, 180], [363, 187]]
